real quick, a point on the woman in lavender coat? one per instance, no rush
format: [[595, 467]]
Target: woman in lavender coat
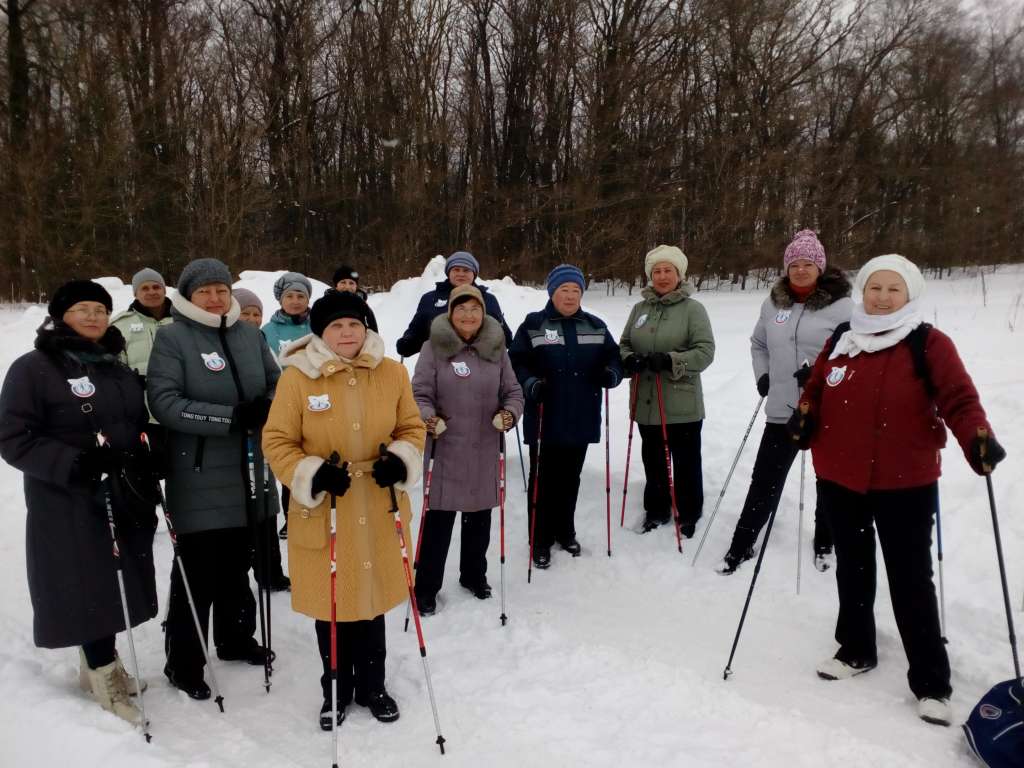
[[468, 396]]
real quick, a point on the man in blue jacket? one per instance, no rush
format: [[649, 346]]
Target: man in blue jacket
[[460, 268], [563, 358]]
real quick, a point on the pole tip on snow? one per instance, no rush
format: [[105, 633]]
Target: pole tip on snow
[[406, 626], [726, 673], [220, 702], [504, 619], [440, 742]]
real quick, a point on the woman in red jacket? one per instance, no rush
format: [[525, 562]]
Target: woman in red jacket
[[873, 416]]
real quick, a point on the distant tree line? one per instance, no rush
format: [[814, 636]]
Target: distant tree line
[[304, 133]]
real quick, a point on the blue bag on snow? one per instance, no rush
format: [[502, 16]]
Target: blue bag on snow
[[995, 729]]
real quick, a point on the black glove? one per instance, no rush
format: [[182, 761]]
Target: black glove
[[634, 364], [802, 374], [986, 452], [608, 378], [388, 470], [800, 427], [331, 478], [92, 463], [536, 392], [405, 347], [250, 415], [762, 385], [660, 361]]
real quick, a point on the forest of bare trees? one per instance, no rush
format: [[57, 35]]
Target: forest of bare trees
[[302, 133]]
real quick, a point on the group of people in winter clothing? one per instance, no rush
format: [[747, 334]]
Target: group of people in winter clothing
[[866, 386]]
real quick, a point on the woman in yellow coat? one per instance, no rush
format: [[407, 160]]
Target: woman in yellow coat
[[338, 393]]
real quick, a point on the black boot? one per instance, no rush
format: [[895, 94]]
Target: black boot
[[542, 557], [253, 653], [654, 521], [194, 686], [381, 706], [572, 547], [427, 606], [325, 714], [732, 561], [481, 590]]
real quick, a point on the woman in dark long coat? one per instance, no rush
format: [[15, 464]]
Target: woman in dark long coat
[[54, 401]]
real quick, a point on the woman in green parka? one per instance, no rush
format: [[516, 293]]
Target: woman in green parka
[[668, 335]]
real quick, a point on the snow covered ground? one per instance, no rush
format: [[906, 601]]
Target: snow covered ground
[[604, 662]]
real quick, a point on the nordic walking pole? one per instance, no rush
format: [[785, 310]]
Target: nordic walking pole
[[501, 525], [415, 610], [728, 477], [982, 432], [800, 520], [750, 593], [217, 697], [533, 496], [608, 472], [522, 464], [333, 460], [251, 459], [668, 465], [265, 551], [423, 520], [101, 441], [942, 588], [635, 386]]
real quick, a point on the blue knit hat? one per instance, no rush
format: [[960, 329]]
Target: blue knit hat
[[565, 273], [462, 259]]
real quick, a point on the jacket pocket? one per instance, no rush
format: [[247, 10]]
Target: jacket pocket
[[682, 399], [307, 528]]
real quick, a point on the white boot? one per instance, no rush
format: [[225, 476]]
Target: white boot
[[109, 691], [834, 669], [83, 674], [936, 711]]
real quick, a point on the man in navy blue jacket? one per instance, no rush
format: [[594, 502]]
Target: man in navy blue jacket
[[562, 357], [460, 268]]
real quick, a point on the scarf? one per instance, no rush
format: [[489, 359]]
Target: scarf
[[871, 333]]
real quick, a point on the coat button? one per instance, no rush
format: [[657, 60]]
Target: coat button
[[352, 381], [331, 368], [305, 513], [367, 565], [362, 521], [355, 426], [359, 473]]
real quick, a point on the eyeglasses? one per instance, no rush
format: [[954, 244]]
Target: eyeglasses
[[468, 309], [85, 312]]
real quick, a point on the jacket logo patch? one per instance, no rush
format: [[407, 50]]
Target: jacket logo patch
[[783, 316], [461, 369], [319, 403], [835, 376], [441, 303], [551, 335], [82, 387], [282, 344], [213, 361], [990, 712], [136, 328], [640, 321]]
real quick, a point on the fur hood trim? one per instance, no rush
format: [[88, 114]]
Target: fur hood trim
[[489, 342]]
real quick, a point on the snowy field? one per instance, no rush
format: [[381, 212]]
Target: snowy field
[[604, 662]]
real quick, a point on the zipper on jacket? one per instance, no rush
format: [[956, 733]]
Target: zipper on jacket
[[222, 332], [200, 449]]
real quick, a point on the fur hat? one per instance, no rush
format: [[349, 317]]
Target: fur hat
[[75, 291], [805, 245], [463, 293], [462, 259], [200, 272], [901, 265], [334, 305], [247, 298], [146, 275], [669, 254], [565, 273], [292, 281]]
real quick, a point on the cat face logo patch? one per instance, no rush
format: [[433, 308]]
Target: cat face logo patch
[[990, 712], [213, 361], [136, 328], [319, 403], [441, 303], [551, 335], [82, 387], [640, 321], [461, 369], [783, 316], [835, 376]]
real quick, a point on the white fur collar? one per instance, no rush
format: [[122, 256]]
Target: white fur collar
[[186, 308], [310, 354]]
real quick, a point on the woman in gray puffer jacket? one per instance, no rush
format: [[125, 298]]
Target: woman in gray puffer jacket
[[468, 395], [797, 318], [209, 383]]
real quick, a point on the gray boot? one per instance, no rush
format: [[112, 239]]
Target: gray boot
[[110, 693]]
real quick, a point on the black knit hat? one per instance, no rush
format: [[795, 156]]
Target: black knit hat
[[345, 272], [334, 305], [75, 291]]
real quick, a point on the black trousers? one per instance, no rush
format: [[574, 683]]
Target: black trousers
[[687, 471], [268, 532], [775, 456], [904, 521], [99, 653], [437, 537], [361, 652], [217, 566], [560, 467]]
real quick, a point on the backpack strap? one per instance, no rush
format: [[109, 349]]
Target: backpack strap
[[916, 340], [839, 331]]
